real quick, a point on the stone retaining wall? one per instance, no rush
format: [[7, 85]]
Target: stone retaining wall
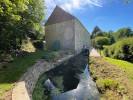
[[25, 86]]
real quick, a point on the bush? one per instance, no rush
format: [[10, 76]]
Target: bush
[[102, 40], [6, 57], [110, 84], [122, 49], [106, 84], [38, 44], [121, 90], [98, 42], [106, 52]]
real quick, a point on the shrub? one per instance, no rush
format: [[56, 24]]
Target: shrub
[[121, 90], [122, 49], [6, 57], [38, 44], [104, 84], [100, 85], [110, 84], [102, 40], [106, 52]]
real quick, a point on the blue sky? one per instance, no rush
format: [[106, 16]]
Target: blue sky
[[107, 14]]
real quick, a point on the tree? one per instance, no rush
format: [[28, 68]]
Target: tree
[[128, 1], [110, 36], [20, 19], [33, 19], [100, 33], [100, 41], [95, 30], [123, 32], [8, 19]]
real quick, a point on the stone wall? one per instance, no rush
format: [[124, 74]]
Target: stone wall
[[25, 86], [82, 36], [62, 32], [71, 34]]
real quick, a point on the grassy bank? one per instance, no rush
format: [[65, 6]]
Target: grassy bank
[[127, 67], [39, 90], [114, 78], [15, 69]]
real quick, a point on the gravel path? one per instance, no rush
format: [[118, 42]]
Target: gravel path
[[94, 53]]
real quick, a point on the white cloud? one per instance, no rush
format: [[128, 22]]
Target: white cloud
[[72, 5], [50, 5], [95, 3], [67, 7]]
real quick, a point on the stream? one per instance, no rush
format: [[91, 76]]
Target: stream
[[72, 81]]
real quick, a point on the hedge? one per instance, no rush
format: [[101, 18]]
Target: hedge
[[123, 49]]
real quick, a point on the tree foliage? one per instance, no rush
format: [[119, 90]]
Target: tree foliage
[[19, 20], [128, 1], [102, 40], [95, 30], [123, 32], [123, 49], [100, 33], [98, 42], [110, 35]]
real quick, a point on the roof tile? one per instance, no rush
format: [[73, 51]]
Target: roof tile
[[59, 15]]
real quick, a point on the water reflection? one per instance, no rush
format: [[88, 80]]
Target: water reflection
[[86, 90], [71, 81], [66, 77]]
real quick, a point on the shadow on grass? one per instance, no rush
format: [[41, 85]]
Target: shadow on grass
[[16, 68]]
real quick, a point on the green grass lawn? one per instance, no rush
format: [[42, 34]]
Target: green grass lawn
[[124, 65], [16, 69]]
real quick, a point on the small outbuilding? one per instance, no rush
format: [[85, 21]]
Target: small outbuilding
[[65, 32]]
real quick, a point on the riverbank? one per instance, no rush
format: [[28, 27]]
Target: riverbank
[[64, 77], [12, 71], [25, 85], [71, 79], [113, 81]]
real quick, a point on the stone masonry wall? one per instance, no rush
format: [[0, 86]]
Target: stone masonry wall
[[82, 36], [25, 86], [63, 32]]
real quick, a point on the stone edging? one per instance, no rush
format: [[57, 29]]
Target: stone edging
[[25, 86]]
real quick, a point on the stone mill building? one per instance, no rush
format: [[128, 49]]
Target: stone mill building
[[65, 31]]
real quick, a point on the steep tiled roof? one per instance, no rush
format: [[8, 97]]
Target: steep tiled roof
[[59, 15]]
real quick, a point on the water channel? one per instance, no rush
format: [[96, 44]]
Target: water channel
[[71, 81]]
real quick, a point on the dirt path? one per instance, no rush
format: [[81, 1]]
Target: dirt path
[[94, 53]]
